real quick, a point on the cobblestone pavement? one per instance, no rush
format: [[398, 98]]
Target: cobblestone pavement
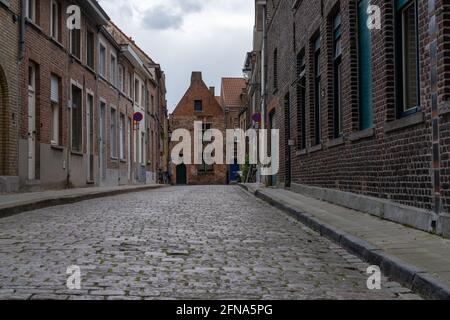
[[203, 242]]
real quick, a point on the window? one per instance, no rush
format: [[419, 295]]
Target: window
[[54, 19], [337, 77], [152, 104], [31, 10], [301, 100], [56, 110], [122, 136], [142, 148], [102, 60], [275, 70], [408, 90], [317, 92], [130, 85], [205, 167], [112, 70], [113, 133], [198, 106], [75, 43], [142, 96], [77, 122], [365, 67], [121, 79], [136, 91], [90, 44]]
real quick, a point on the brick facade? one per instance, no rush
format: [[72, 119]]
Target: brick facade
[[393, 159], [10, 73], [84, 149], [184, 117]]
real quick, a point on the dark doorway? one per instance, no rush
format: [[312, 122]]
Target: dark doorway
[[181, 174]]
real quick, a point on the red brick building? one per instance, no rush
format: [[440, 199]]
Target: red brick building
[[362, 110], [199, 103], [10, 73], [79, 90]]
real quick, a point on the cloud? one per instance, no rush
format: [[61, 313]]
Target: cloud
[[159, 18], [171, 14], [212, 36]]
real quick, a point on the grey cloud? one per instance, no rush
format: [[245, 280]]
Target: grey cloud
[[160, 18], [172, 14]]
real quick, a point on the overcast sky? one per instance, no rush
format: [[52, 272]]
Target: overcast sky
[[211, 36]]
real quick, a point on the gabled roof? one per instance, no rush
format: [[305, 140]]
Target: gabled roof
[[232, 91]]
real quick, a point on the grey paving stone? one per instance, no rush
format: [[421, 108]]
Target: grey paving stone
[[205, 242]]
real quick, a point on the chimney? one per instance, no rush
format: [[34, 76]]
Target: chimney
[[196, 76], [213, 91]]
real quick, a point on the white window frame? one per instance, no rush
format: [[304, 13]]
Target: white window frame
[[121, 73], [31, 15], [102, 66], [75, 83], [113, 137], [122, 142], [113, 68], [54, 26], [137, 89], [56, 114]]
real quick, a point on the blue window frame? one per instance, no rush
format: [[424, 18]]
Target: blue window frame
[[317, 92], [337, 63], [365, 67], [407, 57]]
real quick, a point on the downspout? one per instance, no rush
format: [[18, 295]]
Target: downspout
[[263, 80], [118, 136], [19, 67]]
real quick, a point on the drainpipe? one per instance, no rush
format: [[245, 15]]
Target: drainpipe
[[19, 66], [118, 136], [22, 31], [263, 76]]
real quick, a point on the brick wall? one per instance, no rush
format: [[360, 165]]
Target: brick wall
[[10, 74], [184, 116], [393, 160]]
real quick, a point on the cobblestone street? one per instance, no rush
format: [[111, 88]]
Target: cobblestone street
[[207, 242]]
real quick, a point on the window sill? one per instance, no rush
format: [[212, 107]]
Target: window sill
[[363, 134], [337, 142], [57, 147], [57, 43], [316, 148], [90, 69], [408, 121], [302, 152], [75, 58], [77, 153], [114, 158], [123, 160], [33, 24]]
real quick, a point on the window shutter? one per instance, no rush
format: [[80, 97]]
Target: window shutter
[[54, 89]]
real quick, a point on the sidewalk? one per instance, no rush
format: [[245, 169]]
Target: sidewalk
[[14, 203], [416, 259]]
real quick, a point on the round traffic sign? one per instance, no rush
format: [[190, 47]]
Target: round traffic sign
[[138, 117]]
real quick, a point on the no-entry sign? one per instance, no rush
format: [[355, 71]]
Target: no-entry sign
[[138, 117]]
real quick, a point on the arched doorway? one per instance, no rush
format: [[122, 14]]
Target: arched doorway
[[3, 122], [181, 174]]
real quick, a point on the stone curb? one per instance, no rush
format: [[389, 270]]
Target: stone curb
[[407, 275], [67, 199]]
